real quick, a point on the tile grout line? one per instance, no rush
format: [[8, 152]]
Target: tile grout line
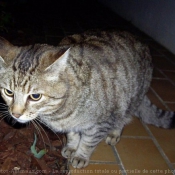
[[119, 161], [136, 137], [160, 99], [166, 70], [92, 162], [164, 55], [169, 70], [172, 82], [154, 139], [169, 102], [168, 58], [157, 55], [159, 148], [157, 78]]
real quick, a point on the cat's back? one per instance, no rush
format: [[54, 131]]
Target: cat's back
[[115, 66], [110, 50], [101, 44], [110, 63]]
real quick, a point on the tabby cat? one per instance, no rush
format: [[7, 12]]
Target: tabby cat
[[89, 86]]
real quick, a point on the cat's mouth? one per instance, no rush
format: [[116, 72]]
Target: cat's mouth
[[20, 119]]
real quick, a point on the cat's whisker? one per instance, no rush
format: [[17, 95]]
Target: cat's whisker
[[4, 111], [4, 114], [2, 118], [39, 120], [3, 107], [8, 118], [3, 104], [39, 132], [14, 122], [7, 114], [38, 124]]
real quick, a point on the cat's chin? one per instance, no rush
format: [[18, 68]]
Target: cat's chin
[[21, 120]]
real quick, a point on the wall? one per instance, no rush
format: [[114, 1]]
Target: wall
[[155, 17]]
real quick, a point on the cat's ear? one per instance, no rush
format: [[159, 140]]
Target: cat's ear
[[60, 62], [58, 65], [7, 51]]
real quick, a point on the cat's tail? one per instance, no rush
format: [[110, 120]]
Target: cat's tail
[[151, 114]]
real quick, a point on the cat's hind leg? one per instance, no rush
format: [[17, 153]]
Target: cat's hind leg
[[114, 134], [73, 140], [113, 137]]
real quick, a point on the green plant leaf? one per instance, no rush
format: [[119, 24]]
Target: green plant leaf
[[33, 149]]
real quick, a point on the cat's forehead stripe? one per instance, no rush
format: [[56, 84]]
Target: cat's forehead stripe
[[20, 82], [28, 59], [21, 55], [24, 65]]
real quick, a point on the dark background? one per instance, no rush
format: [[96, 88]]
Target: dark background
[[48, 21]]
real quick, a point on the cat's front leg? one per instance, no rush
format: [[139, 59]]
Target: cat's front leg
[[73, 140], [86, 146]]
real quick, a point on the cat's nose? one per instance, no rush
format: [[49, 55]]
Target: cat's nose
[[16, 115], [17, 110]]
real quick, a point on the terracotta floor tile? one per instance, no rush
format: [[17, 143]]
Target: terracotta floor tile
[[168, 55], [171, 106], [162, 63], [96, 169], [166, 139], [158, 47], [157, 74], [154, 52], [164, 89], [135, 128], [170, 75], [155, 100], [141, 155], [103, 152]]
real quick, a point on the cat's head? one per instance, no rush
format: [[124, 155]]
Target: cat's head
[[32, 80]]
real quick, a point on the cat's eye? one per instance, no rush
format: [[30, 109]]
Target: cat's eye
[[8, 92], [35, 97]]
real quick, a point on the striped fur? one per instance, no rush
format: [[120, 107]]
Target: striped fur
[[91, 85]]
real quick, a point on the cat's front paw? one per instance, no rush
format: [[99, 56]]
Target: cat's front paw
[[113, 138], [79, 162], [68, 152]]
